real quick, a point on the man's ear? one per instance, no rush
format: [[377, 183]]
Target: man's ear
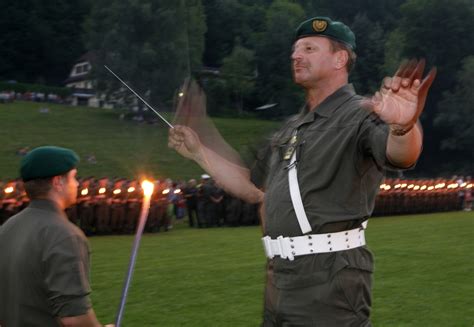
[[57, 181], [341, 59]]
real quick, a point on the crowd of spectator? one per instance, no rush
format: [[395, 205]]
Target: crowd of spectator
[[106, 206], [10, 96]]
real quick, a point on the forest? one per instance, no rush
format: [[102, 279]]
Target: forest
[[240, 52]]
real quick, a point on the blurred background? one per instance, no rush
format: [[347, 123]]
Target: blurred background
[[239, 52]]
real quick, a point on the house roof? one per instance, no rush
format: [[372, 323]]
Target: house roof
[[89, 56]]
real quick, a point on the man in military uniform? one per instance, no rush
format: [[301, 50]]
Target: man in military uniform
[[11, 203], [44, 272], [102, 202], [190, 194], [204, 201], [322, 171], [132, 205], [117, 207], [85, 206]]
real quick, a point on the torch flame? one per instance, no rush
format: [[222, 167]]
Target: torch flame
[[131, 189], [102, 190], [117, 191], [147, 187], [84, 191], [9, 189]]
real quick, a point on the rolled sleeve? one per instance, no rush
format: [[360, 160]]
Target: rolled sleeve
[[373, 136], [66, 271], [259, 168]]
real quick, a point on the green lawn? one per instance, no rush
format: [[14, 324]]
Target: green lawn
[[214, 277], [122, 148]]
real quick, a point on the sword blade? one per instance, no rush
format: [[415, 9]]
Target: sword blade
[[138, 96]]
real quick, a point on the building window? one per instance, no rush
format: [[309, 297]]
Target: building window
[[82, 69]]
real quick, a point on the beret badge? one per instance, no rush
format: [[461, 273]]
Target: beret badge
[[319, 25]]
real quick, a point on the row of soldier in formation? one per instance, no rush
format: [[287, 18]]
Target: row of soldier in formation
[[405, 196], [107, 206], [113, 206]]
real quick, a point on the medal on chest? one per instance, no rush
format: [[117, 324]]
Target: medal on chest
[[291, 147]]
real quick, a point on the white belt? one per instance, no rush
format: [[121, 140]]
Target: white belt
[[296, 196], [291, 247]]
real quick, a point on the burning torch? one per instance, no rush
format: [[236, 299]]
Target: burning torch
[[147, 192]]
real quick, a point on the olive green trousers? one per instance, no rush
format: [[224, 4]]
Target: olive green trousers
[[344, 300]]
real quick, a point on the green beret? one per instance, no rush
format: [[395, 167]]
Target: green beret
[[47, 161], [324, 26]]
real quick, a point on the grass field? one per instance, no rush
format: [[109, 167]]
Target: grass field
[[214, 277], [122, 148]]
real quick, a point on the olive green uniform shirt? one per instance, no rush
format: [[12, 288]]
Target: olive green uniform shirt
[[340, 151], [44, 267]]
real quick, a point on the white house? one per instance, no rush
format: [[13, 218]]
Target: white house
[[80, 80]]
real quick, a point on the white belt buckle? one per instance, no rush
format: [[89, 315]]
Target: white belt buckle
[[268, 247], [285, 250], [280, 246]]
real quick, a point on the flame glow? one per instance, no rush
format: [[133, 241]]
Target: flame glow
[[9, 189], [166, 191], [84, 191], [131, 189], [147, 187], [102, 190], [117, 191]]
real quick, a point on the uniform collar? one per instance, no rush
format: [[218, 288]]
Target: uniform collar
[[47, 205], [329, 105]]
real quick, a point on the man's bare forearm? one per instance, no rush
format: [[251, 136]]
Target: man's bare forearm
[[403, 151], [232, 178]]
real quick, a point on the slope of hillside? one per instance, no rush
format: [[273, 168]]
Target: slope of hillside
[[121, 147]]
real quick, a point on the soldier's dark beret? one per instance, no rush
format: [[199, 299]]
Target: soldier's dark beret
[[47, 161], [324, 26]]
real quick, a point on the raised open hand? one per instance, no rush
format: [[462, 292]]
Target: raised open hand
[[401, 98]]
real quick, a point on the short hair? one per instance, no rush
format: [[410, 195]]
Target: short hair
[[39, 188], [339, 46]]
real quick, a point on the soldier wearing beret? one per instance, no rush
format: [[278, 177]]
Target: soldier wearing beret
[[44, 262], [320, 175]]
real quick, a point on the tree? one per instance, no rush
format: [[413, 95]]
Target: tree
[[40, 39], [438, 30], [238, 70], [227, 21], [367, 74], [154, 46], [455, 117], [274, 80]]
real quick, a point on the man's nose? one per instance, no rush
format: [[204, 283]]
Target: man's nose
[[296, 55]]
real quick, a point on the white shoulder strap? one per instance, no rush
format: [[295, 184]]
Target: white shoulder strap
[[296, 196]]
